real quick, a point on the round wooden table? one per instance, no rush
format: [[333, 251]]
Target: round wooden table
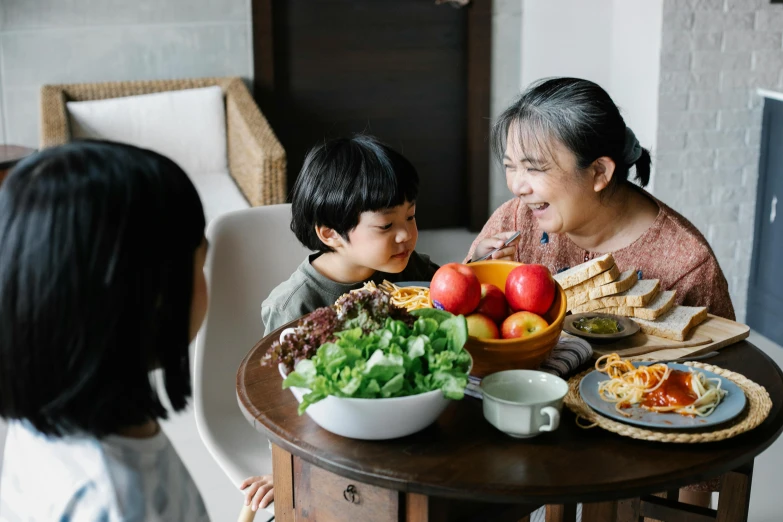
[[463, 457]]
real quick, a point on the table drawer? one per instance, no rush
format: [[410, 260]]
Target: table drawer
[[326, 497]]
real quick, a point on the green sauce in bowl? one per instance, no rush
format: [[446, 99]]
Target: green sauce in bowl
[[598, 325]]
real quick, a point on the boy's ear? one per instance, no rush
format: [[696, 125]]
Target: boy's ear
[[329, 236]]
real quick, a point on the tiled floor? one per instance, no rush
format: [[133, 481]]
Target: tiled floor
[[224, 501]]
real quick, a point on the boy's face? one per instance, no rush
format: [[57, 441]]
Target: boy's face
[[383, 240]]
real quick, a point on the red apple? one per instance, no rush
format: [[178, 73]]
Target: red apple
[[521, 324], [455, 288], [493, 303], [530, 288], [480, 325]]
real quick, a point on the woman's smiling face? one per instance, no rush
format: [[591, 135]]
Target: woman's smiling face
[[544, 175]]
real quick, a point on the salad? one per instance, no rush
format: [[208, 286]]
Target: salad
[[365, 309], [367, 347]]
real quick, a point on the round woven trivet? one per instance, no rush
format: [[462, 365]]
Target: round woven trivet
[[756, 410]]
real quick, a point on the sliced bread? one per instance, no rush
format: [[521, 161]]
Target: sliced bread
[[626, 280], [662, 303], [625, 311], [582, 272], [623, 282], [676, 323], [577, 300], [590, 306], [641, 293], [594, 282]]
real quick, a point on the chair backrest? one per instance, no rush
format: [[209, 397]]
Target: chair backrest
[[250, 252], [188, 126], [55, 126]]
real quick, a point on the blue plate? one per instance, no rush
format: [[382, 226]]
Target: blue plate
[[404, 284], [730, 406]]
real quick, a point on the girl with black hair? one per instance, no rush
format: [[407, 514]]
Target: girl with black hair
[[101, 281]]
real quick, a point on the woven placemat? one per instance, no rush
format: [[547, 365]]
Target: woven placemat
[[757, 409]]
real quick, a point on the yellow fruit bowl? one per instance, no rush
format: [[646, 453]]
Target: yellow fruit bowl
[[526, 353]]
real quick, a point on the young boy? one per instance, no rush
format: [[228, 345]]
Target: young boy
[[354, 204]]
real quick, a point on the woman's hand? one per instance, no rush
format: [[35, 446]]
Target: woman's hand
[[485, 246], [259, 491]]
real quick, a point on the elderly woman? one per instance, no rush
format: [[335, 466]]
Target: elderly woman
[[567, 155]]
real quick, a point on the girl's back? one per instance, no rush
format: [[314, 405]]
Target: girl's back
[[101, 281], [76, 479]]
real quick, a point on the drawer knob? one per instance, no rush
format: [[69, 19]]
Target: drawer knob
[[351, 495]]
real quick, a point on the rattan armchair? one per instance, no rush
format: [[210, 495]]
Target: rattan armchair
[[256, 159]]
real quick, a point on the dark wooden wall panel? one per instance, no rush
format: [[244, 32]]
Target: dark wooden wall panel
[[411, 72]]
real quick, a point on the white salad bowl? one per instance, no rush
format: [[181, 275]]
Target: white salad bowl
[[373, 419]]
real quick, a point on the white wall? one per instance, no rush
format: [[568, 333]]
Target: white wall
[[636, 66], [506, 67], [567, 38], [615, 43]]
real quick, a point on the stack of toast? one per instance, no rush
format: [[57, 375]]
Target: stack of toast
[[598, 285]]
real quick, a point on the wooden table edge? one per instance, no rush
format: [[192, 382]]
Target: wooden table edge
[[612, 492]]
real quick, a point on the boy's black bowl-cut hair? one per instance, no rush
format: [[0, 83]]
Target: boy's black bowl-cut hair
[[344, 177], [97, 244]]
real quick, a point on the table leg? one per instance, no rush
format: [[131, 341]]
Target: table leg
[[417, 507], [561, 513], [734, 497], [599, 511], [628, 510], [283, 476]]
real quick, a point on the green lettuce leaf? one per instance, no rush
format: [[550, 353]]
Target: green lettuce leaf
[[391, 361]]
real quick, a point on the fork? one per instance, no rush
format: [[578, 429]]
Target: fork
[[508, 242]]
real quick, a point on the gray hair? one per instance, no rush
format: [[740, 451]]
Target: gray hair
[[582, 116]]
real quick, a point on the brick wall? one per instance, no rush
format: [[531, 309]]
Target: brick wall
[[715, 54]]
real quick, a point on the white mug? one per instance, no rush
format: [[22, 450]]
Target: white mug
[[281, 366], [286, 332], [523, 403]]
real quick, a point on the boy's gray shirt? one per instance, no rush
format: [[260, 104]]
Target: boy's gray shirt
[[307, 289]]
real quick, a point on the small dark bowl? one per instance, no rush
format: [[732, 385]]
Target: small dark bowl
[[626, 326]]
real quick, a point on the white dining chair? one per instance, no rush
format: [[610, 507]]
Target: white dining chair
[[250, 252]]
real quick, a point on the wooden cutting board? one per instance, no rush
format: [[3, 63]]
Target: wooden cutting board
[[713, 334]]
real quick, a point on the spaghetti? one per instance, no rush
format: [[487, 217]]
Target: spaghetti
[[408, 297], [657, 388]]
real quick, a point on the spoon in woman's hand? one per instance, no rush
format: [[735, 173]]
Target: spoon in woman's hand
[[508, 242]]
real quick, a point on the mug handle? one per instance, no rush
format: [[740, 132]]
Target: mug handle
[[286, 332], [554, 418]]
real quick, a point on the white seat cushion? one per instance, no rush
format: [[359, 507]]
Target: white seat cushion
[[188, 126], [219, 194]]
